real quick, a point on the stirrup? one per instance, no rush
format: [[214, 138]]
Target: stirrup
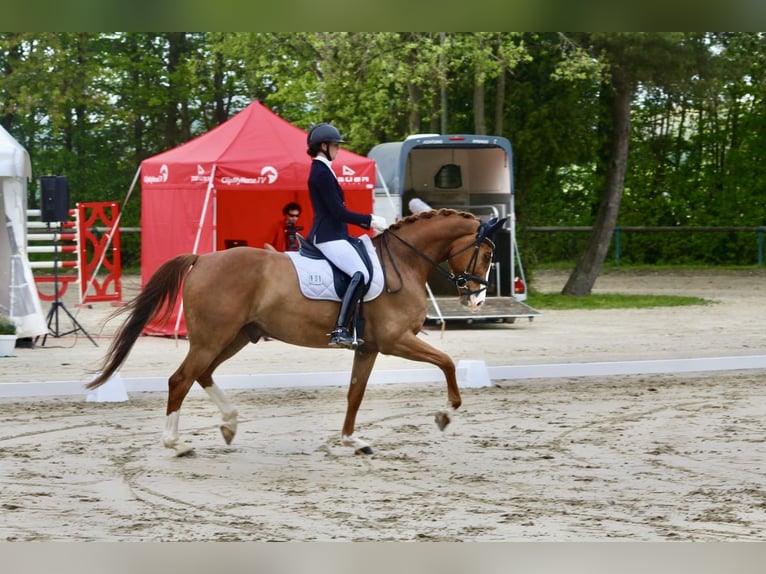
[[340, 338]]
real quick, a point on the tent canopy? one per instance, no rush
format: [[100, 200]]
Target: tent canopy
[[18, 293], [14, 159], [229, 186], [255, 150]]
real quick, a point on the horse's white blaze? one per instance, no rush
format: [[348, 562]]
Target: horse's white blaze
[[477, 299]]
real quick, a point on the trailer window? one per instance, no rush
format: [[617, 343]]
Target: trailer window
[[448, 177]]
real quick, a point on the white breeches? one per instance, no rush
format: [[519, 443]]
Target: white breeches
[[344, 257]]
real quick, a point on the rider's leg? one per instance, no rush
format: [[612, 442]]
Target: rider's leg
[[340, 336], [345, 257]]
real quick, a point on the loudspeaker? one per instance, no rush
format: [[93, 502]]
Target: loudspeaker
[[54, 198]]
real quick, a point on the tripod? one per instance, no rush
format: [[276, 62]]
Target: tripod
[[53, 313]]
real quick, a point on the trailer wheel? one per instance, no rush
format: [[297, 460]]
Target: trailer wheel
[[509, 320]]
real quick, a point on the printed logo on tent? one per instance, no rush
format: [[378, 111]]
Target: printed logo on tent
[[348, 175], [200, 177], [270, 173], [161, 178]]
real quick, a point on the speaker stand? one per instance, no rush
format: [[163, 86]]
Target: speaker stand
[[53, 323], [53, 313]]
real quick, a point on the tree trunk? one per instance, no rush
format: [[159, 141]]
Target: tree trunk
[[479, 116], [500, 103], [588, 268], [175, 41], [434, 125], [220, 110], [413, 120]]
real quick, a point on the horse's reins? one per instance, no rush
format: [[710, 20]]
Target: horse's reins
[[460, 280]]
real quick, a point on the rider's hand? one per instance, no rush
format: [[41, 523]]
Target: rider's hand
[[378, 223]]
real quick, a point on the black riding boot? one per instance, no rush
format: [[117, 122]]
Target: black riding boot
[[340, 336]]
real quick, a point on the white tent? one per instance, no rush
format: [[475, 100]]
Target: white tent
[[18, 294]]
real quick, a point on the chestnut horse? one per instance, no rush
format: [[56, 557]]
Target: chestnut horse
[[237, 296]]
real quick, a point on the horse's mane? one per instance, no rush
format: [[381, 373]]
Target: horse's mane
[[429, 214]]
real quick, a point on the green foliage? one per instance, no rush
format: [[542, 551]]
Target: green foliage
[[557, 301], [7, 326], [92, 106]]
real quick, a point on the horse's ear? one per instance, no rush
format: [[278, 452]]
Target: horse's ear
[[495, 224], [488, 228]]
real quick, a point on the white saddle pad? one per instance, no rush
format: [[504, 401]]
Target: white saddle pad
[[316, 278]]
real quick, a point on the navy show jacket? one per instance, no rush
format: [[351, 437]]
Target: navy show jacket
[[331, 218]]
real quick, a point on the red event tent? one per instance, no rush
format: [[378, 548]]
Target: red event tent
[[230, 184]]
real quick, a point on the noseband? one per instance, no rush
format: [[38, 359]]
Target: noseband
[[460, 280]]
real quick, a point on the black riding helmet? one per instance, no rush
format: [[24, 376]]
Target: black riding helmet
[[323, 133]]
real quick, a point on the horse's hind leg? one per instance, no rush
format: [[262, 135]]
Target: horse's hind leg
[[228, 412], [178, 387], [179, 383]]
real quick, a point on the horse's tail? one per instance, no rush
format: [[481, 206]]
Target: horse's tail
[[156, 301]]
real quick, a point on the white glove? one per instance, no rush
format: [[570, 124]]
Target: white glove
[[378, 223], [417, 205]]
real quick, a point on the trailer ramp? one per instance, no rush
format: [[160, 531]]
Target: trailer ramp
[[494, 309]]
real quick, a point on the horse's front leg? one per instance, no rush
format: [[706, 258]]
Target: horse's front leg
[[415, 349], [364, 361]]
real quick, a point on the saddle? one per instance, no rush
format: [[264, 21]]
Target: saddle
[[320, 279]]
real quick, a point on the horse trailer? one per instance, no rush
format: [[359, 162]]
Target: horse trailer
[[471, 173]]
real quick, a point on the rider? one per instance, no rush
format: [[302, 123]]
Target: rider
[[329, 231]]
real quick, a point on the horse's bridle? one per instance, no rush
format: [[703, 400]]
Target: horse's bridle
[[460, 280]]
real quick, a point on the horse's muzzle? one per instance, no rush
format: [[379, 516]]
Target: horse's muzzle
[[473, 300]]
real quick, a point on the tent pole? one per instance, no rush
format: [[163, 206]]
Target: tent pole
[[196, 242], [204, 210]]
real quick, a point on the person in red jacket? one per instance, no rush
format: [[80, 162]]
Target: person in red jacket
[[286, 231], [329, 230]]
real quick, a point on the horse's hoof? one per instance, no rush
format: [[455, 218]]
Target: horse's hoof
[[442, 419], [228, 434], [185, 452], [363, 450]]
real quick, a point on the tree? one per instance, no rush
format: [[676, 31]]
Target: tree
[[628, 59], [483, 57], [650, 129]]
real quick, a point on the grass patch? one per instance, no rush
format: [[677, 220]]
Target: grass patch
[[558, 301], [610, 267]]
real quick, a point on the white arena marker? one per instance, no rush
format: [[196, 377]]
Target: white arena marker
[[112, 391], [472, 374]]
